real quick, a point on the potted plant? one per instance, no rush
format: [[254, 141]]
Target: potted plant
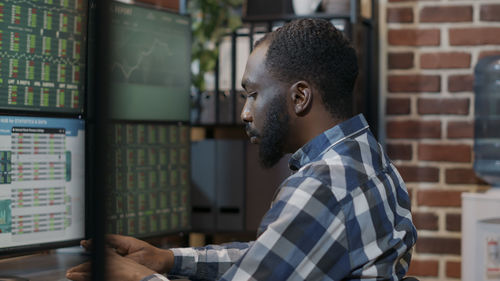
[[211, 21]]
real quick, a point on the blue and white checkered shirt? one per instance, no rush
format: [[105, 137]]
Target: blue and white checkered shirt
[[343, 215]]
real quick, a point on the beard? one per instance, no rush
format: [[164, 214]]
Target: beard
[[274, 133]]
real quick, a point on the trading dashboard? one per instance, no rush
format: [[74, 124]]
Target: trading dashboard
[[150, 189], [150, 64], [42, 53], [41, 180]]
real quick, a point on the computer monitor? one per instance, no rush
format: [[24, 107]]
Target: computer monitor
[[42, 186], [150, 64], [150, 185], [150, 106], [42, 55]]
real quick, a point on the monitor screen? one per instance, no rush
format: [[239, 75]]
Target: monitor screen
[[150, 64], [150, 184], [42, 183], [42, 55]]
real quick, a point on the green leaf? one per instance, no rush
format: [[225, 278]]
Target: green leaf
[[211, 21]]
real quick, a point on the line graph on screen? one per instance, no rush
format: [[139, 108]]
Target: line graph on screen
[[145, 56]]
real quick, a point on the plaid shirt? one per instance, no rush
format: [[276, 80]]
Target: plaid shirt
[[344, 214]]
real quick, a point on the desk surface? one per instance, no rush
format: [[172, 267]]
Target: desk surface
[[46, 267], [43, 267]]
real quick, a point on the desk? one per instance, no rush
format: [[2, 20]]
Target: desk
[[47, 267], [43, 267]]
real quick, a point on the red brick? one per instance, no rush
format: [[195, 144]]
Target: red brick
[[412, 129], [461, 83], [443, 106], [418, 174], [490, 12], [445, 152], [489, 53], [400, 60], [438, 245], [462, 176], [453, 222], [460, 129], [414, 37], [439, 198], [169, 4], [453, 269], [446, 14], [425, 221], [399, 151], [414, 83], [445, 60], [423, 267], [404, 15], [396, 106], [474, 36]]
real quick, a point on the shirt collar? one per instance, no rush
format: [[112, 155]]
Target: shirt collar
[[316, 147]]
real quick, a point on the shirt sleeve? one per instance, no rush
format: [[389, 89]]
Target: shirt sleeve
[[209, 262]]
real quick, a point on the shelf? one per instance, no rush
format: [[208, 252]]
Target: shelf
[[290, 17]]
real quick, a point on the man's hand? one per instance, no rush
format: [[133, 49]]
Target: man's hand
[[143, 253], [117, 268]]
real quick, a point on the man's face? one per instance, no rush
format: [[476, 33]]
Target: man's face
[[265, 113]]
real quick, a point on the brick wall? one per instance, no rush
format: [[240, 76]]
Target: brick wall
[[431, 49], [172, 5]]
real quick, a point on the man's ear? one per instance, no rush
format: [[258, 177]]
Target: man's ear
[[301, 96]]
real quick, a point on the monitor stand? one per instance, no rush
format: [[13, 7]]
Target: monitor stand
[[12, 278]]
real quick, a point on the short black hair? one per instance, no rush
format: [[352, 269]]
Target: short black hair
[[315, 51]]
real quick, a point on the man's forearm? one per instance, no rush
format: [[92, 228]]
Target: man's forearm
[[208, 262]]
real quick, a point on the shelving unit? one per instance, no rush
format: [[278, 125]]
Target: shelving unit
[[222, 103]]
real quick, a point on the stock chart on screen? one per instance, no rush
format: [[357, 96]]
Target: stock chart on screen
[[150, 64], [150, 184], [42, 55], [41, 180]]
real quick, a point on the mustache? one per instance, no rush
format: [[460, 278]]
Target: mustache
[[251, 131]]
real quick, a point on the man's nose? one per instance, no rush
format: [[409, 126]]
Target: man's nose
[[246, 115]]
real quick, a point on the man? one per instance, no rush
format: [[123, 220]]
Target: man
[[344, 214]]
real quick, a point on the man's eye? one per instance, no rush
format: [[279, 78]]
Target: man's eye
[[252, 95]]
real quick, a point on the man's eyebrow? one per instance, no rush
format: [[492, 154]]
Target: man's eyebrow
[[244, 83]]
